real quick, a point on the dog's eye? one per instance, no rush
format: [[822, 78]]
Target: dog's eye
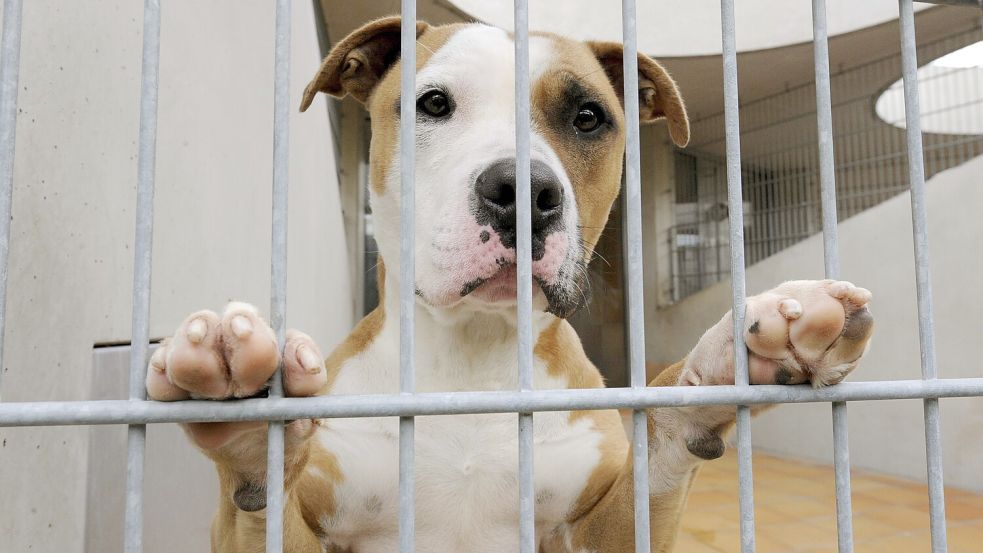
[[589, 118], [435, 104]]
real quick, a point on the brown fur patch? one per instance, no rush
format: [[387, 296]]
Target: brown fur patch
[[593, 164]]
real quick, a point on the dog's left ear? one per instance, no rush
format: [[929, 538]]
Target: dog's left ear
[[357, 63], [658, 96]]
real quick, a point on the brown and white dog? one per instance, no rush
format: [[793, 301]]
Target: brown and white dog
[[341, 475]]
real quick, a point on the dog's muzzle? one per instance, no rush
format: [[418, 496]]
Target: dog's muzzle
[[494, 202]]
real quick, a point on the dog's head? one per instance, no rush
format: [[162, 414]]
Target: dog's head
[[465, 153]]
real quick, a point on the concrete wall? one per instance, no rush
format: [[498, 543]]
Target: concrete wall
[[876, 252], [72, 233]]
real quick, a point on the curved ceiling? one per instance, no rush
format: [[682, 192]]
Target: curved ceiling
[[680, 28]]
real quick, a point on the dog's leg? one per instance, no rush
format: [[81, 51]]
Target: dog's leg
[[801, 331], [231, 356]]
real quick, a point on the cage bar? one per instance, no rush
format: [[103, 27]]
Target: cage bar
[[278, 268], [407, 272], [142, 262], [634, 295], [831, 259], [523, 254], [735, 204], [9, 74], [67, 413], [923, 273]]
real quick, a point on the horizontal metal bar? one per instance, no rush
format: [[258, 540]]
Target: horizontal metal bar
[[970, 3], [57, 413]]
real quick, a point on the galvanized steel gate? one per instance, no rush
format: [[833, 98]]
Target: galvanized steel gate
[[137, 412]]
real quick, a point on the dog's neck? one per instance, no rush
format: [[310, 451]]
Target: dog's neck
[[456, 342]]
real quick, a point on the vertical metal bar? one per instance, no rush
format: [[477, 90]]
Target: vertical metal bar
[[278, 267], [841, 467], [9, 74], [736, 203], [407, 272], [523, 253], [143, 242], [827, 176], [923, 274], [635, 292]]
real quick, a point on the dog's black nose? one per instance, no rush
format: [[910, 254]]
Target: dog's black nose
[[495, 189]]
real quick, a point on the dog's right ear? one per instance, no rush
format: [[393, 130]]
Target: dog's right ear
[[356, 64]]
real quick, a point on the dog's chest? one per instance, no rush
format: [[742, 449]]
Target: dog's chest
[[466, 479]]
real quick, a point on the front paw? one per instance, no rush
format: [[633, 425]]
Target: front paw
[[801, 331], [231, 356]]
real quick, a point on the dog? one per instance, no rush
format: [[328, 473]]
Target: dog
[[341, 476]]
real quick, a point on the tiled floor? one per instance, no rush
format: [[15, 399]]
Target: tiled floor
[[795, 511]]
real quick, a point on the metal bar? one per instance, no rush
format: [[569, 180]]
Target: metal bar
[[824, 116], [9, 75], [523, 254], [278, 268], [827, 176], [973, 3], [407, 273], [142, 260], [736, 208], [923, 274], [841, 467], [58, 413], [633, 269]]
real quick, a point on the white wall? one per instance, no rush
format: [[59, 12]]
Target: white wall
[[876, 252], [72, 232]]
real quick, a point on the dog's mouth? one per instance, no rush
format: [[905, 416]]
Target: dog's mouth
[[502, 286], [499, 287]]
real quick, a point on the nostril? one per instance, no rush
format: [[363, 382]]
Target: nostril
[[502, 195], [548, 199]]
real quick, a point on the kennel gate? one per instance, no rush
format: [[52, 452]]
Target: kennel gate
[[137, 412]]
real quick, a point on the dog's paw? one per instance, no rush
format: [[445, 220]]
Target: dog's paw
[[801, 331], [226, 357]]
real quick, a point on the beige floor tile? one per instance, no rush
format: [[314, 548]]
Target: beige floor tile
[[964, 509], [689, 544], [795, 511], [869, 527], [799, 535], [915, 542], [966, 537], [902, 518]]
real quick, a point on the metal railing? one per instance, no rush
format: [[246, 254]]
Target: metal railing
[[782, 164], [137, 412]]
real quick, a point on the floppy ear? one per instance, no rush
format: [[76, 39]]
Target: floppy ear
[[357, 64], [658, 96]]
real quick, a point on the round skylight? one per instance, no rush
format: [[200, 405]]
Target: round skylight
[[950, 91]]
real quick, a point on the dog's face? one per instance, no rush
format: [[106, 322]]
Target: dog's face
[[465, 154]]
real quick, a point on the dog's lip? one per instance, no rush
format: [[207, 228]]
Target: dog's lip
[[500, 286]]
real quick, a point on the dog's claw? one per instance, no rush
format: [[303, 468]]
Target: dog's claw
[[309, 360], [790, 308], [196, 331], [241, 326]]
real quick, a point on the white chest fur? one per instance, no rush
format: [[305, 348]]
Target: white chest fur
[[466, 465]]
